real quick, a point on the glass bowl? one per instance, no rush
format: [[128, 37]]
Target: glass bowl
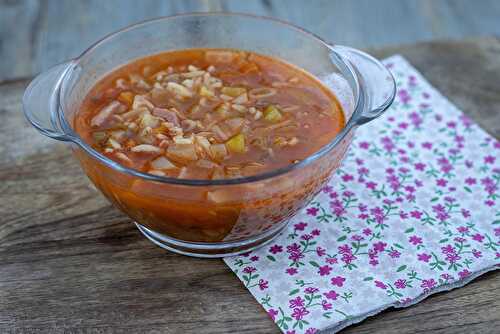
[[211, 218]]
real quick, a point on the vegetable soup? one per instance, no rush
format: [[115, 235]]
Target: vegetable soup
[[208, 114]]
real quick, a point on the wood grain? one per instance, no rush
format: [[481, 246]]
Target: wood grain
[[37, 34], [70, 263]]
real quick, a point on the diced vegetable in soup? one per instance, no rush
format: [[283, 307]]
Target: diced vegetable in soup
[[208, 114]]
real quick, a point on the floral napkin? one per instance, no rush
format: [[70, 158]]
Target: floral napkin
[[414, 210]]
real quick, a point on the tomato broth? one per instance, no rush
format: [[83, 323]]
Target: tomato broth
[[207, 114]]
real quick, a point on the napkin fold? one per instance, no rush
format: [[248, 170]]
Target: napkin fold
[[414, 210]]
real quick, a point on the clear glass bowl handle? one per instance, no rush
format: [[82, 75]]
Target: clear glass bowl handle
[[41, 102], [377, 87]]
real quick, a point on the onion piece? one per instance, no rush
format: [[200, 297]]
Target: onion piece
[[132, 114], [233, 91], [114, 144], [106, 112], [243, 98], [149, 120], [235, 124], [193, 74], [179, 90], [156, 172], [218, 152], [221, 196], [289, 108], [182, 153], [222, 134], [122, 156], [162, 163], [188, 125], [160, 96], [278, 125], [204, 163], [122, 84], [139, 82], [194, 172], [202, 145], [182, 140], [261, 92], [167, 115], [140, 101], [146, 148]]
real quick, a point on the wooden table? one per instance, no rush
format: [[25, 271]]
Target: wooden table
[[37, 34], [71, 263]]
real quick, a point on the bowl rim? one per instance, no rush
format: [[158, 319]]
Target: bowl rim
[[348, 126]]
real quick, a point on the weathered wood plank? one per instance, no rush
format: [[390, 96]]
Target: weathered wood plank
[[463, 71], [22, 140], [35, 35], [18, 26], [462, 18], [361, 23], [69, 27], [70, 263]]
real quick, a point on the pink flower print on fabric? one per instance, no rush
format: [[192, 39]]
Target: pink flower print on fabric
[[414, 209]]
